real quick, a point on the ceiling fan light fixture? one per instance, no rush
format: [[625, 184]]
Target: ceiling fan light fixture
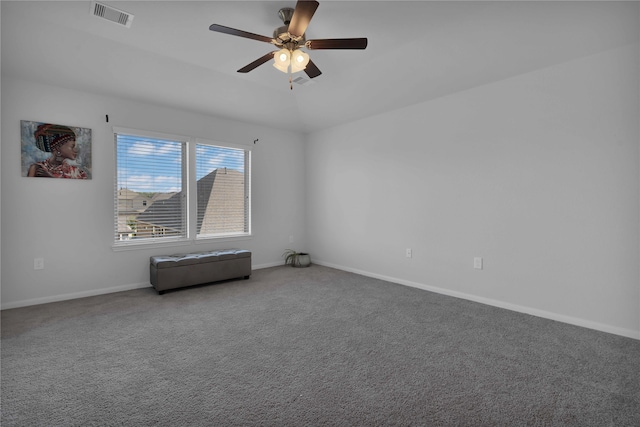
[[282, 59], [299, 61], [290, 38]]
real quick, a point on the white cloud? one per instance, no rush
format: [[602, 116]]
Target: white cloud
[[146, 148]]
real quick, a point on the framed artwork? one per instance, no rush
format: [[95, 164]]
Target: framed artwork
[[55, 151]]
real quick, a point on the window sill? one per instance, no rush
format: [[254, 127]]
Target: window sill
[[130, 246]]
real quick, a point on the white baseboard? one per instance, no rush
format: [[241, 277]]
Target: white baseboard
[[268, 265], [629, 333], [73, 295], [495, 303], [83, 294]]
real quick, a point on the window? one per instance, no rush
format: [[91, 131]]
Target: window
[[150, 170], [160, 197], [222, 191]]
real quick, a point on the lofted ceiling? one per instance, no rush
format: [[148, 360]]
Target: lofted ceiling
[[417, 51]]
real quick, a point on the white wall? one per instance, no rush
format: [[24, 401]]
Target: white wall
[[69, 223], [538, 174]]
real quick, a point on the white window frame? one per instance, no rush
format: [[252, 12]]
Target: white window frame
[[189, 188]]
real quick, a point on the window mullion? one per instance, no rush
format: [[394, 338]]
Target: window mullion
[[192, 199]]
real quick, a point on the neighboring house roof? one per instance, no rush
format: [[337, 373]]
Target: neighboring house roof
[[220, 205], [221, 202], [161, 196], [131, 202]]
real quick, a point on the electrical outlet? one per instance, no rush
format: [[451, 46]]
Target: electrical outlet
[[291, 239], [38, 263], [409, 253], [477, 263]]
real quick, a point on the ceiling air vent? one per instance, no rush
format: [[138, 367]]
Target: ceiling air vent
[[111, 14], [303, 81]]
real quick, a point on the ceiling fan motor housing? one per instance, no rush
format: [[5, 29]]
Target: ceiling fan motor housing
[[281, 34]]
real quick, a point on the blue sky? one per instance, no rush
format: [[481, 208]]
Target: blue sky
[[155, 165]]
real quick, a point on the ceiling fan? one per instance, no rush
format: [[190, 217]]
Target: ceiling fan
[[290, 38]]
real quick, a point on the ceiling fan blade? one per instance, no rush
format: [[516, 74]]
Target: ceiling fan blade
[[257, 62], [301, 17], [359, 43], [240, 33], [311, 70]]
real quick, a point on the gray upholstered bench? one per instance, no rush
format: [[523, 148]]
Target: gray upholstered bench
[[182, 270]]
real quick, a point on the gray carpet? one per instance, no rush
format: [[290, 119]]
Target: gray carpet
[[314, 346]]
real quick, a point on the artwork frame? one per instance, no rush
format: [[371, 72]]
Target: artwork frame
[[51, 150]]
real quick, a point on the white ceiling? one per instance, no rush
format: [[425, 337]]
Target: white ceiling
[[418, 50]]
